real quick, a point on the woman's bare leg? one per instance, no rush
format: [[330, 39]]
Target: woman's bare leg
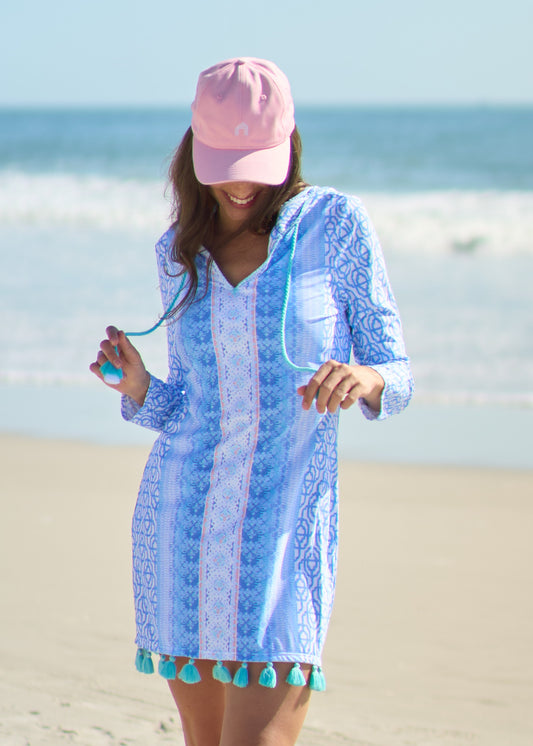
[[256, 716], [215, 714], [201, 705]]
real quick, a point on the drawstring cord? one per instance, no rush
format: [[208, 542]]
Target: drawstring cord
[[164, 317], [301, 368], [114, 375]]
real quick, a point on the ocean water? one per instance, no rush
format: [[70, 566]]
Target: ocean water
[[450, 190]]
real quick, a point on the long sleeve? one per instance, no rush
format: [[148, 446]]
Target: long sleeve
[[370, 306], [163, 400]]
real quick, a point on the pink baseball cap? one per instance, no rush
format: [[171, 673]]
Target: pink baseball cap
[[242, 120]]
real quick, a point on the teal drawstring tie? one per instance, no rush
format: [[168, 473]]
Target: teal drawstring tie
[[221, 673], [300, 368], [189, 673], [317, 680], [241, 677], [114, 375], [296, 677], [268, 676]]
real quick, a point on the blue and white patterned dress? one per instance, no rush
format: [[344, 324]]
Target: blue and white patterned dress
[[235, 527]]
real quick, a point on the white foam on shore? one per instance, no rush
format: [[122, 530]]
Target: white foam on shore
[[463, 222], [441, 222], [44, 200]]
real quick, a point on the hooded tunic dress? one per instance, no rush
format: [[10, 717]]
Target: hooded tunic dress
[[235, 527]]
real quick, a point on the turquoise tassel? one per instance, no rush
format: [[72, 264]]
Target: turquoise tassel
[[139, 660], [167, 668], [148, 664], [317, 680], [189, 673], [171, 668], [296, 677], [241, 677], [221, 673], [268, 676]]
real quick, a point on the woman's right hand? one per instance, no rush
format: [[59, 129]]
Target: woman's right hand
[[135, 378]]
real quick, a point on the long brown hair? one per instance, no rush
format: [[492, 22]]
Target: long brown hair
[[194, 209]]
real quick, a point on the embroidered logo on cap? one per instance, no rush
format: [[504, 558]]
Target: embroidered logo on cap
[[242, 127]]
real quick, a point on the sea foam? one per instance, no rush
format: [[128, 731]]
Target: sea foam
[[462, 222], [434, 222], [85, 201]]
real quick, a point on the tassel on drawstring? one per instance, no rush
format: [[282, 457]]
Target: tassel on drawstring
[[189, 673], [167, 667], [221, 673], [317, 680], [296, 677], [268, 676], [241, 677]]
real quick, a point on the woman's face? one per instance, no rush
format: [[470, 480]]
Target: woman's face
[[236, 201]]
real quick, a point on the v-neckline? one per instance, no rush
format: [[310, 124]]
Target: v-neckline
[[287, 211], [222, 277]]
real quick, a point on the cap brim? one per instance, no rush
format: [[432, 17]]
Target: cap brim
[[265, 166]]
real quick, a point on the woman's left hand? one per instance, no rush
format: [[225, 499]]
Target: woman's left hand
[[338, 384]]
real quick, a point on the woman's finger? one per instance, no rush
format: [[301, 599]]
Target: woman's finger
[[310, 390], [95, 368], [117, 348], [332, 392], [112, 334], [101, 358], [322, 385], [130, 377], [127, 350], [110, 351], [337, 385], [338, 396]]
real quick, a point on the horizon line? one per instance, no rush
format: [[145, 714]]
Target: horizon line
[[303, 104]]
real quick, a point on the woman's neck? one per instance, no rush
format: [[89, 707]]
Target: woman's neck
[[240, 255]]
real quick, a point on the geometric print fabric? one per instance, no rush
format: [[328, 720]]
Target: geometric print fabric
[[235, 527]]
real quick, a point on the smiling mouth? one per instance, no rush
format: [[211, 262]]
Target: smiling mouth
[[241, 201]]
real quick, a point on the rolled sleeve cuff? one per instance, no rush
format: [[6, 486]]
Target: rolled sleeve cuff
[[396, 393], [162, 399]]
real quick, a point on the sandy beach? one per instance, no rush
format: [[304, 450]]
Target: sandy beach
[[431, 643]]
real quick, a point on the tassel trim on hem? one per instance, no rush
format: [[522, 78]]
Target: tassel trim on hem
[[190, 674]]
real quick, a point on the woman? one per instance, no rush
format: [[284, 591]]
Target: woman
[[269, 285]]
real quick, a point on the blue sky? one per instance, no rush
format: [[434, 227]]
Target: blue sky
[[380, 51]]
